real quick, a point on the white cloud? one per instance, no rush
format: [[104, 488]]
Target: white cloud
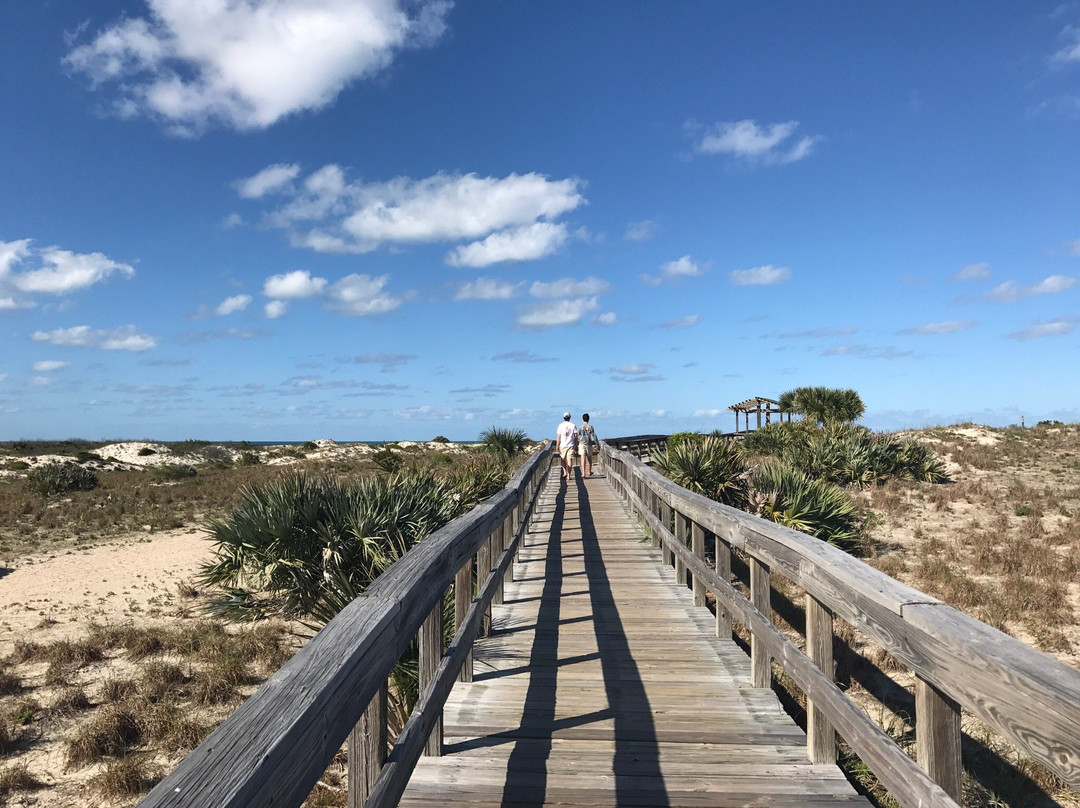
[[1053, 328], [487, 289], [503, 219], [640, 231], [60, 271], [767, 275], [125, 338], [360, 295], [557, 313], [49, 365], [673, 271], [10, 304], [232, 304], [973, 272], [946, 327], [233, 220], [276, 309], [3, 377], [389, 361], [683, 322], [568, 287], [41, 381], [248, 64], [707, 413], [1011, 291], [607, 318], [270, 179], [639, 372], [516, 244], [449, 207], [294, 285], [745, 140], [634, 369]]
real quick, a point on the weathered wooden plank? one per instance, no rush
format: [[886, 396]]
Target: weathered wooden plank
[[367, 750], [937, 738]]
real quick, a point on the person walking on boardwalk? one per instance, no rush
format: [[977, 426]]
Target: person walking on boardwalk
[[565, 444], [586, 442]]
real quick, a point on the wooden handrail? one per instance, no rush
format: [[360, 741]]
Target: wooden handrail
[[276, 746], [1028, 696]]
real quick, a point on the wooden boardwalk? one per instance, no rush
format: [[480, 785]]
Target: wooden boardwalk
[[602, 685]]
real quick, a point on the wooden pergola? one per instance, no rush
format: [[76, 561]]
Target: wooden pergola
[[757, 405]]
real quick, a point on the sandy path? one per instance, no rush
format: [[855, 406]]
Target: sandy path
[[135, 576]]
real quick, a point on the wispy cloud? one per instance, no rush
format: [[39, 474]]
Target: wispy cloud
[[638, 372], [496, 219], [488, 390], [688, 321], [49, 365], [868, 352], [524, 357], [945, 327], [973, 272], [125, 338], [557, 313], [213, 335], [819, 333], [767, 275], [271, 179], [1011, 291], [640, 231], [487, 289], [390, 362], [1070, 52], [248, 65], [768, 144], [568, 287], [1052, 328]]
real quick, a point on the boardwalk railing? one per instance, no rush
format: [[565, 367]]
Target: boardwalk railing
[[959, 663], [276, 746]]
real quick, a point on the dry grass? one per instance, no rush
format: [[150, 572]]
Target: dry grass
[[18, 778], [125, 777]]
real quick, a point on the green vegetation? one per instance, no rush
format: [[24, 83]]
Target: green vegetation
[[823, 405], [504, 443], [60, 478], [711, 466], [796, 473]]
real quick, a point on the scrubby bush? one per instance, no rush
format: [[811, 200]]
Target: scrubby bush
[[712, 466], [678, 438], [174, 471], [17, 465], [84, 456], [59, 478], [146, 451], [440, 439]]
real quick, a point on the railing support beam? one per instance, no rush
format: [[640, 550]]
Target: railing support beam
[[761, 597], [367, 750], [820, 736], [937, 737]]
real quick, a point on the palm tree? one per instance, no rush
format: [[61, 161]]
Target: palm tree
[[504, 443], [823, 405]]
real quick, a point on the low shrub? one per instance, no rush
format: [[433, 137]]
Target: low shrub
[[110, 733], [18, 778], [86, 457], [440, 439], [17, 465], [60, 478], [174, 471], [146, 451]]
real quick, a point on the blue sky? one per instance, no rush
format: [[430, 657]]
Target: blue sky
[[372, 219]]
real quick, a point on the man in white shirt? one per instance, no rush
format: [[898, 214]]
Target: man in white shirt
[[566, 444]]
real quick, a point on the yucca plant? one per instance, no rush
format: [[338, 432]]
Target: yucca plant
[[920, 463], [712, 466], [789, 497]]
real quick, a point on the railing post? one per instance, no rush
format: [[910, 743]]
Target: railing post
[[665, 522], [654, 508], [760, 596], [483, 570], [463, 598], [431, 651], [495, 542], [367, 750], [937, 737], [820, 737], [697, 534], [680, 540], [722, 564]]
